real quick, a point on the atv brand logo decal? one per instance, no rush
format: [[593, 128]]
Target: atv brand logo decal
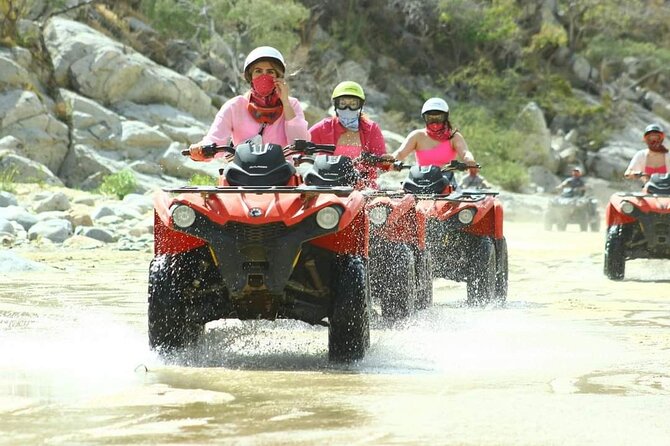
[[255, 212]]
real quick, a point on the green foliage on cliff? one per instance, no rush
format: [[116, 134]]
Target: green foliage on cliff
[[119, 184], [254, 22]]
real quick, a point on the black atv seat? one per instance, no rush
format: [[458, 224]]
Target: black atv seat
[[659, 183], [258, 165], [331, 170], [425, 180]]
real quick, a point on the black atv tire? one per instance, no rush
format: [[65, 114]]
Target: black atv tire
[[349, 316], [595, 225], [481, 282], [398, 298], [175, 318], [584, 225], [561, 225], [502, 270], [615, 261], [424, 279]]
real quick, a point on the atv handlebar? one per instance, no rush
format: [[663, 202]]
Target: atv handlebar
[[458, 165], [304, 147], [210, 150]]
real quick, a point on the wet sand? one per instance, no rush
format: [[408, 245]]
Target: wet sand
[[572, 359]]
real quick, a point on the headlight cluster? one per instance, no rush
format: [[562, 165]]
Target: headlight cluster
[[466, 216], [378, 215], [183, 216], [328, 217], [627, 207]]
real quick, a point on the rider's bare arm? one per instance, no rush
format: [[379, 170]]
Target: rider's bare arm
[[408, 146], [458, 142]]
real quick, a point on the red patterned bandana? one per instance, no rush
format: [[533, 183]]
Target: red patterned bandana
[[265, 110], [438, 131]]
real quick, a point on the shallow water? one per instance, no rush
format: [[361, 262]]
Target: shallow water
[[572, 359]]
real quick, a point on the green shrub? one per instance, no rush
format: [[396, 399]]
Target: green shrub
[[120, 184], [200, 179], [7, 177], [497, 148]]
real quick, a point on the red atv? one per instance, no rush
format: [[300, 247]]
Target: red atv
[[464, 232], [638, 226], [260, 246], [399, 265]]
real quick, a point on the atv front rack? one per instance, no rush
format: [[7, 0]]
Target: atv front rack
[[340, 191], [638, 195], [466, 195]]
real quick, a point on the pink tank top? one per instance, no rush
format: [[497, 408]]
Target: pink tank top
[[439, 155], [369, 173], [660, 169], [350, 151]]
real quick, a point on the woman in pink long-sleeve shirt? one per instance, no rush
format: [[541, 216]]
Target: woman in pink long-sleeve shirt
[[350, 131], [266, 109]]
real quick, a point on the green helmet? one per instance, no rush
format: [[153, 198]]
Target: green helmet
[[348, 88]]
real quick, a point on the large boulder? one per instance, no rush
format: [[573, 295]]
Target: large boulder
[[44, 138], [92, 124], [107, 71], [176, 124], [531, 122], [26, 170]]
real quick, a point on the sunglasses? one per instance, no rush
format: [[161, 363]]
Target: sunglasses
[[350, 102], [654, 137], [430, 118]]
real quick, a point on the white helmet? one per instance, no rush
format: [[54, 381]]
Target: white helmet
[[435, 104], [264, 52], [653, 128]]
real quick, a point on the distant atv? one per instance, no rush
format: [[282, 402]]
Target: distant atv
[[260, 246], [638, 226], [464, 233], [572, 207]]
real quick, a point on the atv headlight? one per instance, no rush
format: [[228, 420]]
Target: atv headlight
[[466, 216], [328, 218], [378, 215], [627, 207], [183, 216]]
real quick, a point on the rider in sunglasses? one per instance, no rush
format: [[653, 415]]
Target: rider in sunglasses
[[438, 143], [654, 159], [351, 130]]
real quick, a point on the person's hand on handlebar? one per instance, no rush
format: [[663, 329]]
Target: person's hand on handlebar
[[196, 153]]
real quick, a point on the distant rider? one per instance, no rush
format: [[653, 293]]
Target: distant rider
[[352, 131], [574, 182], [653, 159], [266, 109], [473, 180], [438, 143]]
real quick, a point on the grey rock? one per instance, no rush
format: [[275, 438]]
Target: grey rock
[[55, 201], [7, 199], [26, 170], [99, 234], [19, 215], [56, 231], [6, 226], [44, 139], [11, 262], [110, 72]]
